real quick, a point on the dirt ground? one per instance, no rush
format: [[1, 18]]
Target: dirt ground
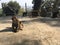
[[36, 31]]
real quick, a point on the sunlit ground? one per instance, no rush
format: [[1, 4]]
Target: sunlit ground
[[36, 31]]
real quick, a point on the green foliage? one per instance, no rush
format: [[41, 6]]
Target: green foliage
[[21, 10], [36, 6], [11, 8], [0, 12]]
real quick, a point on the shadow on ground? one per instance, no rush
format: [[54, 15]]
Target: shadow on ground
[[5, 21], [55, 22], [29, 42], [8, 29]]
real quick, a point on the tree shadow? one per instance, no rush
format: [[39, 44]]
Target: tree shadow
[[8, 29], [6, 21], [55, 22], [29, 42], [26, 22]]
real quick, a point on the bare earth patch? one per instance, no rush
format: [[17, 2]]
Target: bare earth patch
[[36, 31]]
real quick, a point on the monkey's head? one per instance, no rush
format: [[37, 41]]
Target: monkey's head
[[14, 18]]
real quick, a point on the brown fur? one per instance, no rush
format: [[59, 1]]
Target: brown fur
[[16, 23]]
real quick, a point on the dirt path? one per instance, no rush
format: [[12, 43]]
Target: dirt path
[[34, 33]]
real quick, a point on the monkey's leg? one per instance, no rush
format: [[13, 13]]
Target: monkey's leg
[[18, 25], [12, 26]]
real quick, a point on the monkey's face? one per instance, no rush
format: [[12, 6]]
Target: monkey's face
[[14, 19]]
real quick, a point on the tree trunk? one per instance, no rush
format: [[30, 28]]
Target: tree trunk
[[55, 10]]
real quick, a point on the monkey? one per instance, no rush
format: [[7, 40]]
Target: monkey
[[16, 24]]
